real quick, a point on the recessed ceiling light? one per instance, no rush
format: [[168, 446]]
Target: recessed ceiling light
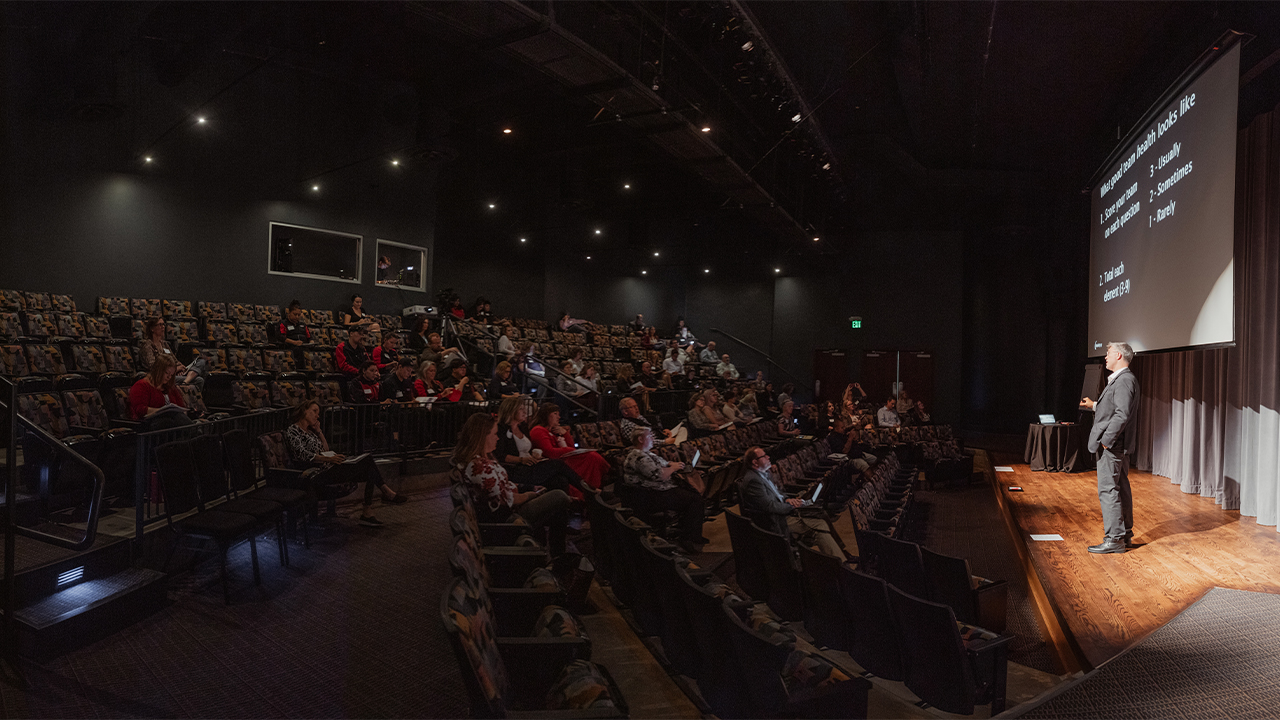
[[706, 129], [796, 118], [588, 257], [655, 254], [146, 159], [644, 272], [826, 166], [395, 162], [815, 239], [506, 131], [706, 270], [523, 240], [626, 186], [315, 188], [777, 270], [597, 231], [492, 206], [200, 120]]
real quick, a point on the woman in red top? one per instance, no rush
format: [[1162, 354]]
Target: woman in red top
[[555, 442], [156, 390]]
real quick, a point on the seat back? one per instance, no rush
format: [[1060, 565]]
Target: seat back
[[634, 586], [238, 455], [874, 640], [326, 391], [676, 630], [85, 409], [13, 362], [212, 310], [219, 331], [38, 403], [88, 359], [119, 358], [12, 301], [177, 309], [45, 360], [468, 619], [786, 587], [600, 514], [902, 567], [937, 669], [255, 391], [610, 434], [951, 584], [69, 325], [240, 313], [825, 615], [211, 467], [193, 397], [176, 470], [868, 550], [275, 455], [748, 563], [267, 313], [10, 326], [466, 558], [278, 361]]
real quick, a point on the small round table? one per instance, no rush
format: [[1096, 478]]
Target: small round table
[[1057, 448]]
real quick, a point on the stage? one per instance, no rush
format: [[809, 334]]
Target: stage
[[1095, 606]]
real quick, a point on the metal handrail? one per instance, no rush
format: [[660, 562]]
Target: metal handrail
[[546, 366], [763, 354], [95, 500]]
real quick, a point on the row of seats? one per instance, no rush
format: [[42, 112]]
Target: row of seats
[[60, 327], [90, 358]]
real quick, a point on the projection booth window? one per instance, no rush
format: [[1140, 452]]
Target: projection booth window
[[401, 265], [314, 253]]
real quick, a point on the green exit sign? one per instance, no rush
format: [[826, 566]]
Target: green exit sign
[[855, 323]]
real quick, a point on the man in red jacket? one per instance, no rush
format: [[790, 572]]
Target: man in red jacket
[[351, 355]]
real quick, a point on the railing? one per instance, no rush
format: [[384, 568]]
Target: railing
[[767, 358]]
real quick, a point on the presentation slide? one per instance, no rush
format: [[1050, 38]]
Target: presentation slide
[[1161, 238]]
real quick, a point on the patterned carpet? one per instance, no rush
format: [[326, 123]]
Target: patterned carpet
[[1218, 658], [351, 630]]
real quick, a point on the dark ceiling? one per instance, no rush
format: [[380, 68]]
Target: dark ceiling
[[909, 110]]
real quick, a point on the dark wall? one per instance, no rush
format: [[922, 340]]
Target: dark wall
[[96, 234]]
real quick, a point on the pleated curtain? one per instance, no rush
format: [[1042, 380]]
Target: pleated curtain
[[1209, 420]]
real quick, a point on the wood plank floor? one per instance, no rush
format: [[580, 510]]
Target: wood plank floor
[[1187, 545]]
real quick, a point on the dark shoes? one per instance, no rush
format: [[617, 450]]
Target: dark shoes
[[371, 521], [1108, 546]]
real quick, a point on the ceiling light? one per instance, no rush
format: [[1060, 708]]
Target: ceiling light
[[522, 240], [597, 231], [626, 186], [395, 162], [655, 254], [796, 118], [815, 239], [200, 120], [146, 159], [506, 131], [706, 128], [777, 270], [706, 270], [315, 188], [588, 257], [747, 46], [492, 206], [644, 272], [409, 268], [827, 166]]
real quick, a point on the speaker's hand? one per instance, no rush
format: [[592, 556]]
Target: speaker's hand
[[1087, 404]]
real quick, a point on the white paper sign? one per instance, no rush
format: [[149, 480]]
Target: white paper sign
[[1045, 538], [1003, 468]]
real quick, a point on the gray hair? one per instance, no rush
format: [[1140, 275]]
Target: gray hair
[[1126, 352]]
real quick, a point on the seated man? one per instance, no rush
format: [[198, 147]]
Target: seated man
[[766, 506], [399, 385], [457, 386], [632, 420], [708, 354], [888, 415], [651, 490], [435, 352], [725, 369], [364, 387], [844, 439], [350, 356]]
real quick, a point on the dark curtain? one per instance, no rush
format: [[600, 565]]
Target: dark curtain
[[1210, 419]]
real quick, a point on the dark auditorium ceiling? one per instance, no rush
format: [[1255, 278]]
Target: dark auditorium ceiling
[[912, 113]]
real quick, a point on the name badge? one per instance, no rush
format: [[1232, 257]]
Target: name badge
[[288, 327], [399, 394], [368, 391], [166, 351]]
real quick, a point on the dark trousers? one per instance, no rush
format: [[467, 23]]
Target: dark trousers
[[1114, 494], [551, 474], [365, 471], [549, 510], [686, 502]]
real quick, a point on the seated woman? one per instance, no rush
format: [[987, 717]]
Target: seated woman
[[308, 446], [627, 384], [577, 359], [156, 392], [418, 335], [566, 381], [154, 345], [651, 489], [571, 324], [496, 497], [698, 418], [354, 315], [526, 466], [426, 384], [506, 347], [788, 426], [590, 382], [555, 441], [501, 387]]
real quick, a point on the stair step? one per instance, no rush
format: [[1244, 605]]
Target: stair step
[[84, 597]]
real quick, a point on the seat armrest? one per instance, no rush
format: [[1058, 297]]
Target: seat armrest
[[992, 605], [510, 566], [504, 533], [517, 609]]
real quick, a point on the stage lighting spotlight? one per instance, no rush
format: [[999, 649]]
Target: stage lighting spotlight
[[706, 128]]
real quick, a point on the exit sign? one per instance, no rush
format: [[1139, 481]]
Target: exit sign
[[855, 323]]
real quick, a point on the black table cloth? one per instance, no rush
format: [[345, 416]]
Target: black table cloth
[[1057, 448]]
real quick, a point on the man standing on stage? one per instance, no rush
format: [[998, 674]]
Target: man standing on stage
[[1113, 439]]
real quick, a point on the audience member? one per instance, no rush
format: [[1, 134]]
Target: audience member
[[648, 478], [689, 354], [309, 448], [888, 415], [456, 309], [650, 340], [156, 391], [632, 420], [400, 385], [682, 334], [726, 369], [501, 387], [350, 355], [637, 325], [417, 341], [672, 364], [758, 385], [787, 390], [353, 315], [708, 354], [364, 387], [788, 425], [577, 362], [436, 352], [589, 379], [527, 466], [387, 354], [646, 376], [506, 348], [767, 507], [556, 442], [292, 331], [426, 385], [566, 381], [154, 345], [481, 312], [458, 387], [627, 384], [571, 324], [844, 438]]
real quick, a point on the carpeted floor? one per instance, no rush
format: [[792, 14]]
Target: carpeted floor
[[1218, 658], [351, 630]]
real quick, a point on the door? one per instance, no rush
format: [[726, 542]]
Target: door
[[830, 374]]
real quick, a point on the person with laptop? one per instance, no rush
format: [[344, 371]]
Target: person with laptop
[[765, 505]]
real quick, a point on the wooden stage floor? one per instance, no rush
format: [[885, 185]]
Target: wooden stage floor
[[1187, 545]]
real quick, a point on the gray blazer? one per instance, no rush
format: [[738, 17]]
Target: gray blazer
[[761, 505], [1114, 416]]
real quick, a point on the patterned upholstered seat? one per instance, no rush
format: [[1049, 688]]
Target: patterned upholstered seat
[[69, 325], [337, 336], [113, 306], [119, 358], [588, 435], [318, 361], [143, 308], [177, 309], [241, 313], [38, 302], [12, 301], [289, 390], [243, 359], [322, 336], [611, 434], [255, 391], [326, 390], [85, 409], [10, 326], [220, 332], [62, 304], [267, 313], [192, 396], [278, 361], [97, 327], [88, 359], [212, 310], [13, 362], [40, 325], [45, 360], [251, 334], [183, 331], [44, 409]]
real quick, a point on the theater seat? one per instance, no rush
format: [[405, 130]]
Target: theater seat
[[288, 390], [144, 308], [278, 361], [13, 361], [241, 313], [45, 360], [178, 309], [12, 301]]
